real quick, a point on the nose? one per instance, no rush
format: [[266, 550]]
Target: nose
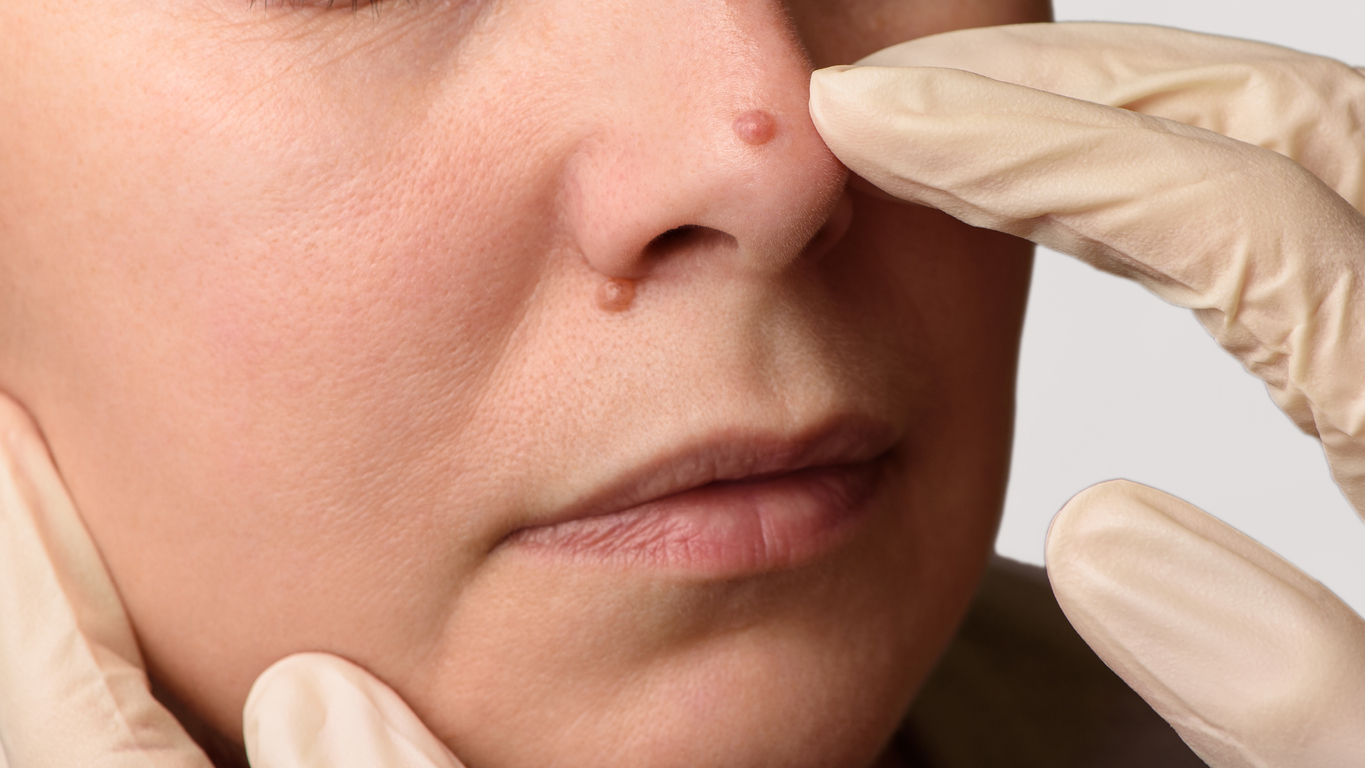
[[703, 147]]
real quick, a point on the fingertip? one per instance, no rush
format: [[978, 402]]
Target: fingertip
[[824, 83], [1227, 641], [1074, 520], [841, 87], [313, 709]]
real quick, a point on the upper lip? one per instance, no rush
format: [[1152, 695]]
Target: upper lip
[[730, 456]]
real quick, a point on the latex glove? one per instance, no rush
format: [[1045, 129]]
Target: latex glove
[[73, 686], [1253, 662]]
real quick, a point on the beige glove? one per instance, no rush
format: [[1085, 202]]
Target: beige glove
[[1253, 662], [73, 688]]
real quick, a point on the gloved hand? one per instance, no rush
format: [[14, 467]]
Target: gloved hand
[[73, 687], [1111, 143]]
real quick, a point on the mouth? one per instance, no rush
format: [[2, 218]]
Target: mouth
[[729, 506]]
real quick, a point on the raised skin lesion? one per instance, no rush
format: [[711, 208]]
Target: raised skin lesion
[[616, 294], [755, 127]]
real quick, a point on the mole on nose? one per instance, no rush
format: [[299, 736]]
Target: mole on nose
[[755, 127], [616, 294]]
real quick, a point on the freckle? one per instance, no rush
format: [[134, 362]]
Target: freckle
[[755, 127], [616, 294]]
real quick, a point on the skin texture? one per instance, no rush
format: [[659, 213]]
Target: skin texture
[[307, 304]]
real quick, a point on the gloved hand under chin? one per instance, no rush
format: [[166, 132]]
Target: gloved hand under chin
[[1225, 176], [73, 686]]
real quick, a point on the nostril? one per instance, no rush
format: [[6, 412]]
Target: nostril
[[687, 237], [671, 240]]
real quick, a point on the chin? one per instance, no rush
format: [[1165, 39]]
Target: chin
[[556, 664]]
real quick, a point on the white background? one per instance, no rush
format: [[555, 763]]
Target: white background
[[1114, 383]]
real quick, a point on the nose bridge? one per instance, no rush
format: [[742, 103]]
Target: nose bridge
[[709, 134]]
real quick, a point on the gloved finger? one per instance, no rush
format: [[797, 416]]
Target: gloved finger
[[73, 690], [315, 710], [1265, 253], [1308, 108], [1254, 663]]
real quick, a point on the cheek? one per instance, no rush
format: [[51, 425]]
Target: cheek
[[951, 295], [281, 258], [269, 326]]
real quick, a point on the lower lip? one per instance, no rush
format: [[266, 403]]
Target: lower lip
[[725, 529]]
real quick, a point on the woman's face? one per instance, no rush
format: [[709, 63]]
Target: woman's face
[[327, 318]]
